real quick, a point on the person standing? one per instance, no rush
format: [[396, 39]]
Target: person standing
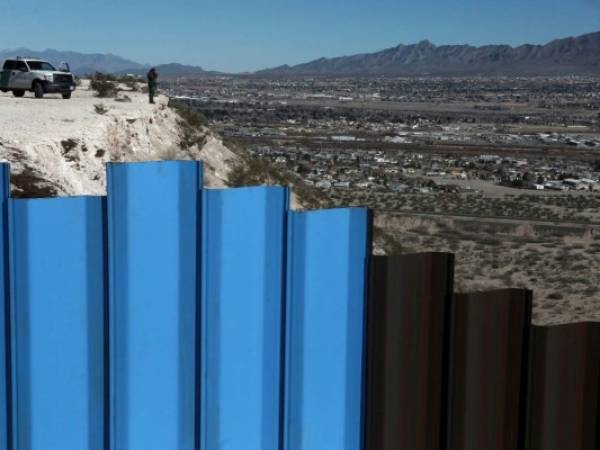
[[152, 82]]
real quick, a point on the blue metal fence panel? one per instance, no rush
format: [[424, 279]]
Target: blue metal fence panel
[[99, 284], [153, 218], [4, 301], [327, 264], [58, 306], [242, 305]]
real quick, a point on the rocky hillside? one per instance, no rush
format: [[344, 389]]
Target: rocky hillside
[[59, 147], [571, 56]]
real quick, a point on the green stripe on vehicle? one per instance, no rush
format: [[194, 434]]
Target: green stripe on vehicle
[[4, 78]]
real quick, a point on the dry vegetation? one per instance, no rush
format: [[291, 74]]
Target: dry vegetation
[[109, 86], [561, 265], [547, 243], [576, 208]]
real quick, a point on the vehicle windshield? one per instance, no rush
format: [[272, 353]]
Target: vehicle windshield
[[40, 65]]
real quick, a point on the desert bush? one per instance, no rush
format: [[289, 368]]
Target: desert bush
[[104, 88], [489, 241], [126, 79], [193, 126], [191, 118], [123, 99], [100, 109], [590, 291], [100, 76], [251, 171], [133, 85], [387, 242]]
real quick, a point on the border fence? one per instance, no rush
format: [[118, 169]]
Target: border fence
[[168, 317]]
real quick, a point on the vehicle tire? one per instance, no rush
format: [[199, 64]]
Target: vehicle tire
[[18, 93], [66, 95], [38, 89]]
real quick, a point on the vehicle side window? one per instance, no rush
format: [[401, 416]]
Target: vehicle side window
[[21, 66], [41, 65], [9, 65]]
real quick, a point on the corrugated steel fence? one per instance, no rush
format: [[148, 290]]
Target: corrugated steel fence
[[168, 317]]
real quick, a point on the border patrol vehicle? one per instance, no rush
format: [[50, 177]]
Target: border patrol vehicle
[[20, 75]]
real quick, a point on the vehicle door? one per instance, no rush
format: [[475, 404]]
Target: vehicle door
[[20, 77], [6, 74]]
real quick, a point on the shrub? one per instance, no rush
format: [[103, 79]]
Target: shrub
[[255, 171], [191, 118], [251, 171], [193, 126], [123, 99], [100, 109], [104, 77], [104, 85], [133, 85], [387, 242]]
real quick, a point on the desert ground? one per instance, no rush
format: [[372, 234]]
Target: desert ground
[[60, 147]]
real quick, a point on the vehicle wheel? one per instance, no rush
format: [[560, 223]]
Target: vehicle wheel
[[66, 95], [38, 89], [18, 93]]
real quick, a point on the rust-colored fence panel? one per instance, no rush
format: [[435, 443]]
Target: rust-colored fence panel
[[488, 370], [565, 388], [408, 309]]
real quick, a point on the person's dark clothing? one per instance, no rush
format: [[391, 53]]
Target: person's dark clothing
[[152, 82]]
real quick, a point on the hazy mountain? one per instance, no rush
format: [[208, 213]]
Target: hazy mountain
[[171, 70], [580, 55], [82, 63]]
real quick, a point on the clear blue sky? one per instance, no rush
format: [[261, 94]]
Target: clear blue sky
[[242, 35]]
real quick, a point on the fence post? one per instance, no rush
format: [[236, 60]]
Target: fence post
[[243, 273], [564, 405], [408, 329], [328, 256], [58, 307], [488, 370], [5, 404], [154, 229]]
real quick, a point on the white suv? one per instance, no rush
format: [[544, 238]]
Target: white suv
[[40, 77]]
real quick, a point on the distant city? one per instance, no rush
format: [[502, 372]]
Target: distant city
[[414, 135], [461, 164]]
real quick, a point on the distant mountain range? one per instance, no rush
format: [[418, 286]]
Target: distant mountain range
[[82, 63], [570, 56]]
